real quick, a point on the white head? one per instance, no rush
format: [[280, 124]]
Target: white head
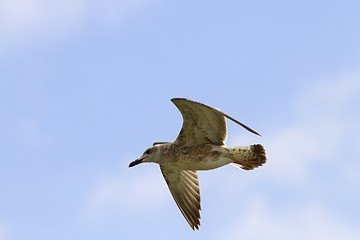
[[151, 154]]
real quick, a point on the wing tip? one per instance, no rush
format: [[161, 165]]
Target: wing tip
[[195, 227], [256, 133]]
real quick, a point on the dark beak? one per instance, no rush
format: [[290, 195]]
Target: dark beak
[[136, 162]]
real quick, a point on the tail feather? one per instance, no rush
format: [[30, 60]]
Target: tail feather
[[247, 157]]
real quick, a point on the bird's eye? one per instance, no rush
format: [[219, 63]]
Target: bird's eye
[[148, 151]]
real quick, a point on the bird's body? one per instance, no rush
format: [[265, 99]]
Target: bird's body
[[199, 157], [199, 146], [204, 156]]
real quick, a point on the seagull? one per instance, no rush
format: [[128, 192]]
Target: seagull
[[200, 145]]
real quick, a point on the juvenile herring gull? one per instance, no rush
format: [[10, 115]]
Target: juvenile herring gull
[[199, 146]]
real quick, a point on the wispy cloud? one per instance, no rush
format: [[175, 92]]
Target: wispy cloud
[[4, 233], [323, 134], [261, 221], [110, 13], [325, 118], [121, 193], [28, 22], [25, 23]]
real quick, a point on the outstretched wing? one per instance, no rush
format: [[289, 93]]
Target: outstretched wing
[[184, 187], [202, 123]]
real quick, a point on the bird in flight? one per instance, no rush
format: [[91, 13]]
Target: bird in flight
[[199, 146]]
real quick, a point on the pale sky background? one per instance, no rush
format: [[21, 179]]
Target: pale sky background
[[85, 88]]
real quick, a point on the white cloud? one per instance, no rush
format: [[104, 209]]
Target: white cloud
[[121, 193], [30, 15], [325, 118], [309, 222], [25, 23], [325, 123], [111, 13], [330, 94], [4, 233]]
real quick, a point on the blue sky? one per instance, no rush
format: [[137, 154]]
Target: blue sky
[[85, 88]]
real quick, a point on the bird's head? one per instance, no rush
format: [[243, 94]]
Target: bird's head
[[152, 154]]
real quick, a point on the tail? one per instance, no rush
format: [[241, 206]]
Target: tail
[[247, 157]]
